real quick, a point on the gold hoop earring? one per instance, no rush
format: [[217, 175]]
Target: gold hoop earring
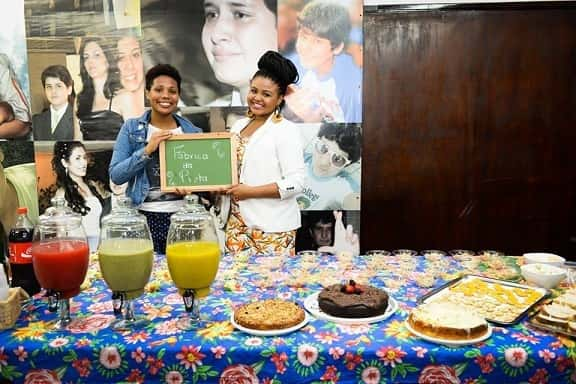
[[277, 116], [249, 113]]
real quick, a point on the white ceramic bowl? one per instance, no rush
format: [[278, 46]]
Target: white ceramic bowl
[[543, 275], [544, 258]]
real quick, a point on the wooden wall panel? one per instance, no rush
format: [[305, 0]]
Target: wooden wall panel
[[469, 124]]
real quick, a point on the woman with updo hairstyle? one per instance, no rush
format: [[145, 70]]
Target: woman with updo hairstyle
[[264, 214], [70, 164]]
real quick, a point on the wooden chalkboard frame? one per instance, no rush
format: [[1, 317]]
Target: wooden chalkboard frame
[[199, 136]]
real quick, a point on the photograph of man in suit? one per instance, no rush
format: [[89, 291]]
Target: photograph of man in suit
[[56, 121]]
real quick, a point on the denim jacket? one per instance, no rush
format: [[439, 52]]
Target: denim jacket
[[128, 162]]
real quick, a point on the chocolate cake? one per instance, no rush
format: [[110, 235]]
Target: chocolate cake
[[353, 300]]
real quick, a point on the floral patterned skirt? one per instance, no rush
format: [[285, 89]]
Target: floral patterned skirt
[[243, 240]]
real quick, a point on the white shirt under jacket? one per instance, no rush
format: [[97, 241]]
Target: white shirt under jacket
[[274, 154]]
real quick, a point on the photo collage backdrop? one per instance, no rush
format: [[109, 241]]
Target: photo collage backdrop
[[81, 64]]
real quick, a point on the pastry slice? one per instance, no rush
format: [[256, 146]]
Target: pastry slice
[[551, 320], [559, 311], [567, 300]]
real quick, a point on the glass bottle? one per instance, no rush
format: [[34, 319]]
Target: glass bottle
[[19, 245]]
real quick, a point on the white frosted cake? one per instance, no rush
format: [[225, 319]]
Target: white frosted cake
[[445, 320]]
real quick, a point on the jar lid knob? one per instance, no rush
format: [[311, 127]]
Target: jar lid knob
[[191, 199]]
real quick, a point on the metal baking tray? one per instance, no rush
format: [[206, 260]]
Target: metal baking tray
[[517, 314]]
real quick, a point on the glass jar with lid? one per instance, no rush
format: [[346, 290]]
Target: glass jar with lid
[[60, 256], [126, 257], [193, 255]]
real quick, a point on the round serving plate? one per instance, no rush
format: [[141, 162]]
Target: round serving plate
[[270, 332], [449, 342], [311, 305]]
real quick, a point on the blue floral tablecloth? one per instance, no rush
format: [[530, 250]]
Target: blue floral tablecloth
[[320, 352]]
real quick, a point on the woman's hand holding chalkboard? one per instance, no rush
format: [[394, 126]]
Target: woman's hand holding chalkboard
[[239, 192], [184, 191], [155, 140]]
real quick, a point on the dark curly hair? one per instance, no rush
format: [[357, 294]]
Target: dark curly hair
[[279, 69], [63, 151], [162, 70], [348, 136], [112, 84]]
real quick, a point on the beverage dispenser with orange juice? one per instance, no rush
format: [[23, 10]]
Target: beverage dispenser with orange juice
[[193, 256]]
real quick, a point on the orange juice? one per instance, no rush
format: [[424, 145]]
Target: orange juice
[[126, 264], [193, 265]]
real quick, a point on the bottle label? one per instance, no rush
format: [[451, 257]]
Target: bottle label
[[20, 253]]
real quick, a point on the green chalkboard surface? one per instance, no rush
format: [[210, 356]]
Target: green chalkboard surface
[[198, 162]]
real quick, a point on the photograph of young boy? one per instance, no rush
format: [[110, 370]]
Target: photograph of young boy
[[333, 163], [329, 231], [330, 87], [56, 121], [317, 230]]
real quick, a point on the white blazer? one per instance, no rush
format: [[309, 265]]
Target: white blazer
[[274, 154]]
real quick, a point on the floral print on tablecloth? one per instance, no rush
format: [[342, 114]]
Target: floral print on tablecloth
[[320, 352]]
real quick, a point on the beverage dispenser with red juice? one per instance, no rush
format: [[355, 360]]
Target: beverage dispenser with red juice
[[60, 256]]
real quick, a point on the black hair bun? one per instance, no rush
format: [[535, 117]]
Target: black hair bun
[[274, 63]]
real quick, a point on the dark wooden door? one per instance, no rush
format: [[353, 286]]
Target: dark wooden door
[[469, 128]]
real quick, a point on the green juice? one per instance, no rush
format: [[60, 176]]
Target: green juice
[[126, 264]]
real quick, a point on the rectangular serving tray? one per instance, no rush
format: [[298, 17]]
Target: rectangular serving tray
[[533, 322], [434, 293]]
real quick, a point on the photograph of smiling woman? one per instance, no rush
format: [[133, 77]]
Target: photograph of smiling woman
[[130, 65], [171, 33], [70, 163], [99, 105], [234, 36]]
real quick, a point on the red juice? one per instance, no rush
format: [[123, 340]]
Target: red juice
[[61, 265]]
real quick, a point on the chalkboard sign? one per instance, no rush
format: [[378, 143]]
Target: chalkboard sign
[[198, 162]]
